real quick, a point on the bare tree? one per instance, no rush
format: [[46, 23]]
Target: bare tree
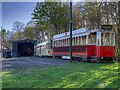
[[18, 27]]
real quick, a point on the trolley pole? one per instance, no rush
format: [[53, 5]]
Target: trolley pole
[[71, 30]]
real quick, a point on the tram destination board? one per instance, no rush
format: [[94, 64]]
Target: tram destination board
[[106, 27]]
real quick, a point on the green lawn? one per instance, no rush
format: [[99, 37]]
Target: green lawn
[[73, 75]]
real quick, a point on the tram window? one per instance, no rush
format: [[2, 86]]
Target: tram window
[[105, 39], [63, 42], [102, 39], [94, 38], [57, 43], [72, 41], [60, 43], [48, 45], [68, 41], [77, 40], [112, 39], [90, 39], [84, 40], [80, 41], [54, 44]]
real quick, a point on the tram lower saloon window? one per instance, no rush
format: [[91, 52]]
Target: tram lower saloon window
[[105, 39]]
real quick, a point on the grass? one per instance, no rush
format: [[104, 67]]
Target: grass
[[73, 75]]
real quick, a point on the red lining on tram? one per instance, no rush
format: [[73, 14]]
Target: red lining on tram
[[68, 53], [90, 50]]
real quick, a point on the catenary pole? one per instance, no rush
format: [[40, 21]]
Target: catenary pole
[[71, 30]]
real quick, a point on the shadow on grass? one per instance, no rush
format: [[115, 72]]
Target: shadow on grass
[[73, 75]]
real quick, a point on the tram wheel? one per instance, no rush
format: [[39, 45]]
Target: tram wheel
[[79, 59]]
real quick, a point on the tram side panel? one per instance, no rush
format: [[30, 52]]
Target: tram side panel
[[77, 51], [91, 51], [106, 52]]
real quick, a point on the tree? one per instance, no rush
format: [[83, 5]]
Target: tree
[[18, 27], [100, 13], [30, 23], [38, 17], [6, 37], [53, 14], [78, 20], [28, 33], [10, 38]]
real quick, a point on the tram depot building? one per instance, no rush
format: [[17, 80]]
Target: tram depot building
[[23, 48]]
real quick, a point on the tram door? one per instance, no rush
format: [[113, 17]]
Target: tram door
[[98, 44], [105, 44]]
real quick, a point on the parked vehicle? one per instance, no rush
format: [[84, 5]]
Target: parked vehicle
[[87, 45], [44, 49]]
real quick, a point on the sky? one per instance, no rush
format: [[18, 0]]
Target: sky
[[16, 11]]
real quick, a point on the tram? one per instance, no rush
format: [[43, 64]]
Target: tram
[[87, 45], [44, 49]]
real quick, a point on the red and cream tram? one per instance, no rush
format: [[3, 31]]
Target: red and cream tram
[[87, 45]]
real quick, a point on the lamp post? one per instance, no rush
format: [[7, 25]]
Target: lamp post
[[1, 42], [3, 32], [58, 24], [71, 30]]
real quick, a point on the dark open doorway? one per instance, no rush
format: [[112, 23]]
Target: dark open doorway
[[23, 48]]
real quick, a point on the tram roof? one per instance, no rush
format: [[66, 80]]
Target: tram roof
[[82, 31], [43, 43]]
